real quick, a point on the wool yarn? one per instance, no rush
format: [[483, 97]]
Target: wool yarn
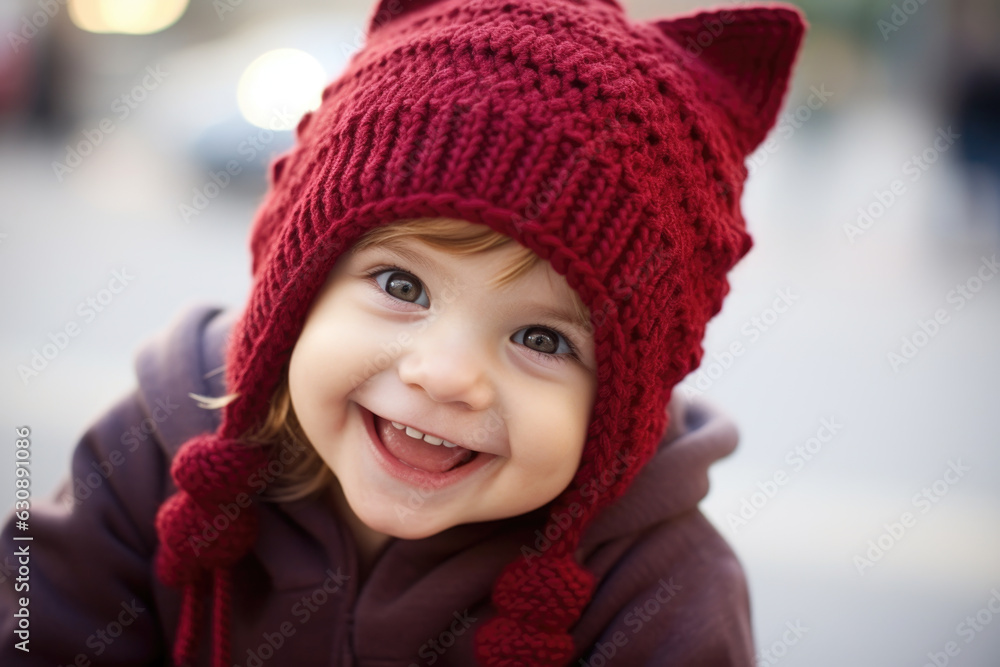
[[613, 149]]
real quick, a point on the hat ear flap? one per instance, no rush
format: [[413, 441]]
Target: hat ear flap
[[751, 51]]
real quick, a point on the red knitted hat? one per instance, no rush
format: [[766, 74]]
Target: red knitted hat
[[615, 150]]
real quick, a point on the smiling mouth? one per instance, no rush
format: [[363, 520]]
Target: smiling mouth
[[419, 454], [443, 473]]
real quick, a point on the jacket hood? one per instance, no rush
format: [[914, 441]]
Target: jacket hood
[[187, 358]]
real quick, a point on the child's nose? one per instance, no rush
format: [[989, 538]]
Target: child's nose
[[449, 366]]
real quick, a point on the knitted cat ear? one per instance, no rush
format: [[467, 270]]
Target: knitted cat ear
[[752, 49]]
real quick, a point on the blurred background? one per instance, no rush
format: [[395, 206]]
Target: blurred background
[[134, 138]]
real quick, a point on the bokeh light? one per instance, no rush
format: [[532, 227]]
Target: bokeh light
[[279, 86], [130, 17]]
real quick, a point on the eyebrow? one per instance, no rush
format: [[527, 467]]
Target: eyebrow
[[558, 315], [396, 247]]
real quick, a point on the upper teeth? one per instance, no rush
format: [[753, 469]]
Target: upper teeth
[[414, 433]]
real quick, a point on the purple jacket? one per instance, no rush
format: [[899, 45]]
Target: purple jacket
[[670, 590]]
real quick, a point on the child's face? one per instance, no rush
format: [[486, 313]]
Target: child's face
[[435, 347]]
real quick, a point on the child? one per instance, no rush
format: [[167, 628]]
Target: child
[[445, 433]]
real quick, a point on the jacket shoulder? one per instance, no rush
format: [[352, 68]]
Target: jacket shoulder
[[676, 594]]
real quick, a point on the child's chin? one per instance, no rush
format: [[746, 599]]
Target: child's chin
[[399, 520]]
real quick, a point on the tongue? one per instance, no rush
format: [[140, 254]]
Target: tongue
[[417, 453]]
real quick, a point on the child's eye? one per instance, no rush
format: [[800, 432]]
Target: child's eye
[[555, 346], [399, 284]]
